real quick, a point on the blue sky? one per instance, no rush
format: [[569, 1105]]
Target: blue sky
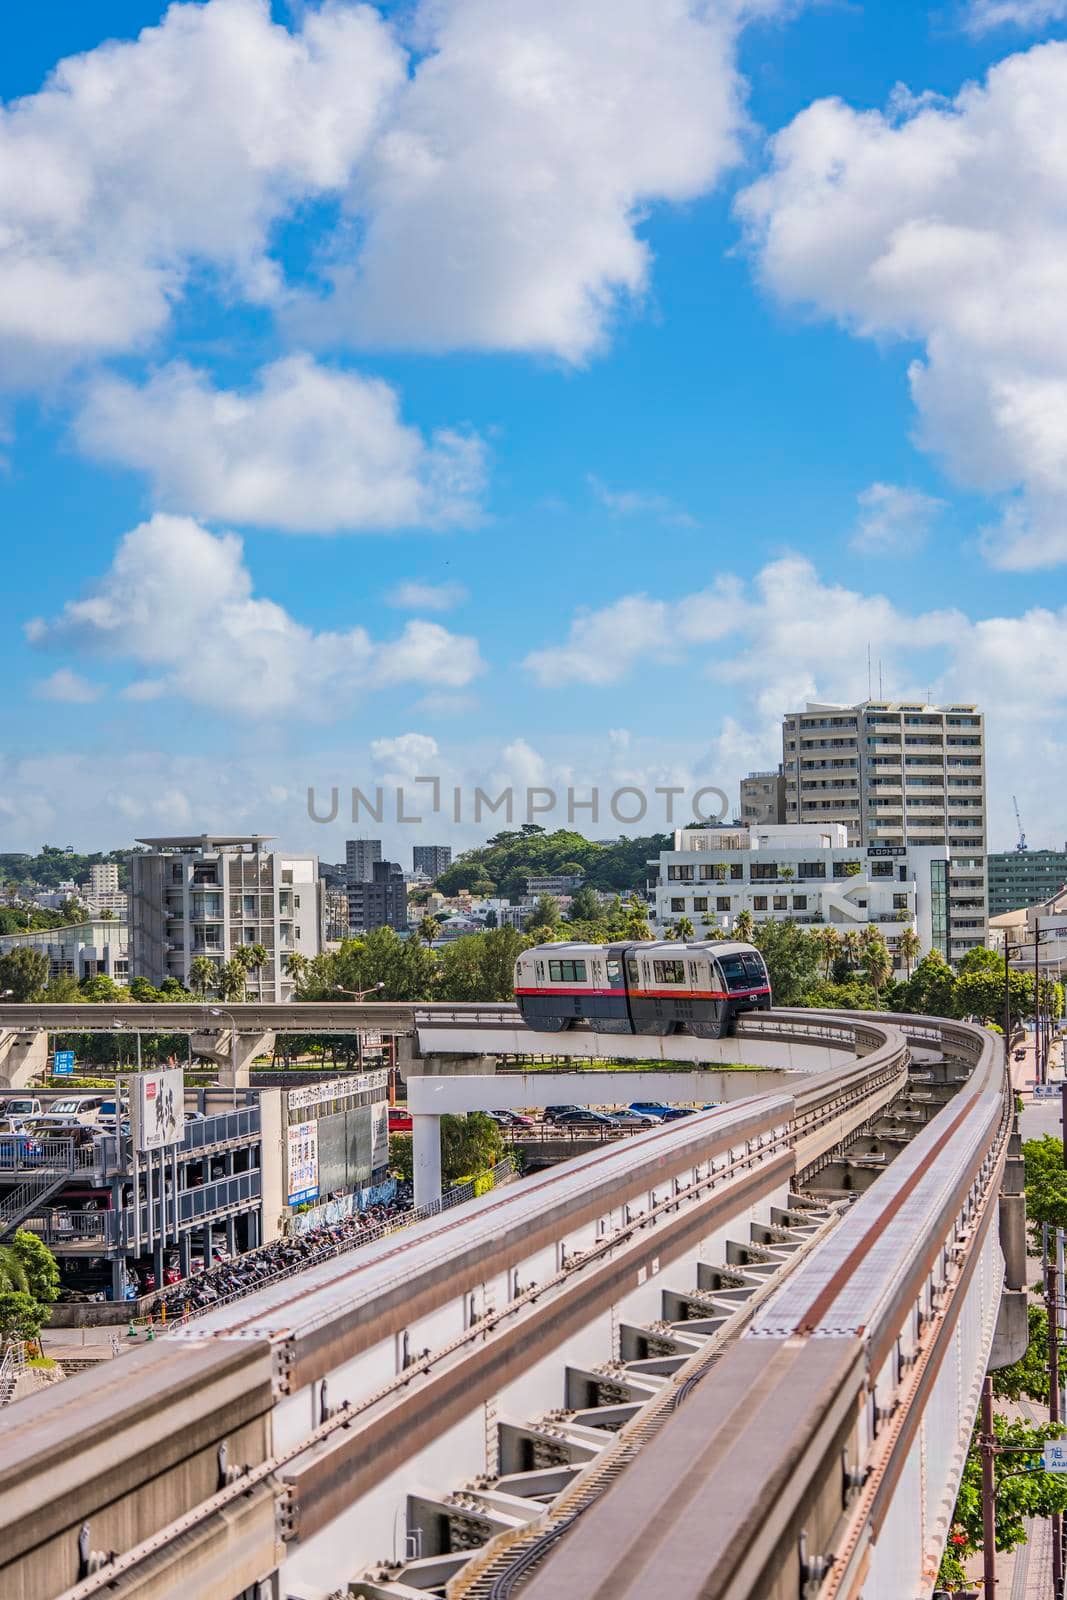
[[486, 390]]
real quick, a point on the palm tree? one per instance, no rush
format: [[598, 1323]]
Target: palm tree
[[684, 930], [637, 927], [428, 929], [909, 947], [202, 975], [296, 967], [230, 981], [829, 947], [852, 945], [876, 959], [744, 925]]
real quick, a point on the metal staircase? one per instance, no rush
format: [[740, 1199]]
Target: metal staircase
[[27, 1198]]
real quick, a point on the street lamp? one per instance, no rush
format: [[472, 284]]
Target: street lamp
[[358, 994], [1009, 951], [220, 1011]]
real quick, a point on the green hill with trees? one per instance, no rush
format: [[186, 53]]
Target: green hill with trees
[[502, 865]]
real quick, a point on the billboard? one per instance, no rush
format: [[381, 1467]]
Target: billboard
[[302, 1163], [157, 1107]]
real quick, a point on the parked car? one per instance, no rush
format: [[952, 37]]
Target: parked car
[[660, 1110], [510, 1119], [633, 1119], [17, 1107], [400, 1120], [553, 1113], [583, 1117], [84, 1108]]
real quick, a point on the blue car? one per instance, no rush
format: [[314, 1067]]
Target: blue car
[[659, 1110]]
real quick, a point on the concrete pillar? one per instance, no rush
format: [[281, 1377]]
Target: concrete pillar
[[217, 1047], [23, 1057], [231, 1237], [426, 1158], [205, 1244], [158, 1262], [185, 1251], [118, 1278], [253, 1230]]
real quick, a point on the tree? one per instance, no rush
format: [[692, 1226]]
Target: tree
[[636, 920], [1034, 1494], [37, 1266], [63, 990], [545, 914], [852, 948], [855, 995], [25, 972], [203, 974], [876, 959], [930, 991], [792, 958], [909, 946], [21, 1316], [230, 981], [745, 926], [482, 966], [1029, 1377], [469, 1145], [429, 928], [829, 945], [585, 906], [684, 930], [251, 958], [102, 990]]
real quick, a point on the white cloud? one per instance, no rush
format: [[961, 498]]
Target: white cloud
[[140, 163], [603, 644], [943, 223], [178, 603], [499, 207], [308, 448], [636, 503], [894, 520], [983, 15], [415, 595], [67, 686]]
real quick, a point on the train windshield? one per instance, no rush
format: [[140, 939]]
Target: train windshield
[[743, 971]]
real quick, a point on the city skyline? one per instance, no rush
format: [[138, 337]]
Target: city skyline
[[599, 510]]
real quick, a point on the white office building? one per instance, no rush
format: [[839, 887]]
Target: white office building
[[207, 895], [804, 873], [78, 950]]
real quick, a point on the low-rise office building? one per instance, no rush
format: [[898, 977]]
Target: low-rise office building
[[79, 949], [1019, 878], [804, 873]]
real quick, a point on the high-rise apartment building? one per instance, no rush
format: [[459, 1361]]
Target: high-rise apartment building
[[207, 895], [763, 798], [1019, 878], [360, 856], [380, 903], [898, 775], [103, 893], [431, 858]]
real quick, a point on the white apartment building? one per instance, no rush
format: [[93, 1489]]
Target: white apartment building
[[803, 873], [104, 894], [898, 774], [207, 895], [78, 950]]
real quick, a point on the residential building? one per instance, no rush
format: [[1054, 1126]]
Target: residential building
[[380, 903], [79, 950], [334, 914], [898, 774], [555, 883], [432, 859], [804, 873], [207, 895], [763, 798], [360, 857], [1020, 878], [103, 892]]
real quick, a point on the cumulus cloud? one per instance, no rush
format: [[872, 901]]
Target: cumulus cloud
[[142, 162], [415, 595], [499, 206], [67, 686], [307, 448], [893, 520], [942, 223], [178, 602]]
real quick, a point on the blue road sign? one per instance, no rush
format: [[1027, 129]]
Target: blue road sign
[[63, 1064]]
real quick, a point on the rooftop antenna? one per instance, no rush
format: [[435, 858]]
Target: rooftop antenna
[[881, 692], [1022, 845], [868, 670]]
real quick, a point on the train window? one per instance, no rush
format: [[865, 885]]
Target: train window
[[633, 977], [614, 972], [566, 971], [754, 968], [668, 971]]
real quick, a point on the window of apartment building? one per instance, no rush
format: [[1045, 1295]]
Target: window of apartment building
[[177, 873], [781, 902], [722, 902], [900, 902], [881, 869], [811, 869], [680, 874], [700, 902], [800, 902], [668, 971], [678, 904], [764, 871], [737, 871], [759, 902]]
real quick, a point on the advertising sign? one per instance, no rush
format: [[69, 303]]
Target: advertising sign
[[886, 850], [157, 1104], [379, 1138], [319, 1094], [63, 1063], [303, 1163]]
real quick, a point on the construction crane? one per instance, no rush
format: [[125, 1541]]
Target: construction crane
[[1022, 845]]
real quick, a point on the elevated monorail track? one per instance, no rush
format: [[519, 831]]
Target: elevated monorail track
[[345, 1375]]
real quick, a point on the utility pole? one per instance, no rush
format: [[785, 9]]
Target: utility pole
[[1052, 1307], [987, 1449]]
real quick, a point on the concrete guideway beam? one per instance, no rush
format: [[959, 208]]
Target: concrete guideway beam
[[23, 1057], [232, 1055]]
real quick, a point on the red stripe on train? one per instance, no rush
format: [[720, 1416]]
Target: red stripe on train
[[648, 994]]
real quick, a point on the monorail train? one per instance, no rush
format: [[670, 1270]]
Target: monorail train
[[641, 988]]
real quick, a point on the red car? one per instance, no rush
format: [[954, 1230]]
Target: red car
[[400, 1120]]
